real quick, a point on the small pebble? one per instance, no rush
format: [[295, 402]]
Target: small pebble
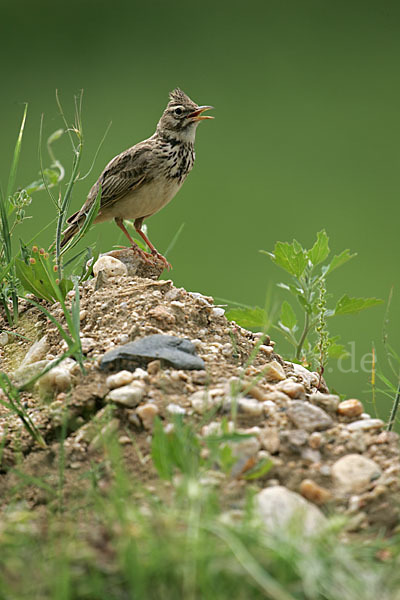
[[124, 440], [275, 372], [201, 401], [256, 392], [87, 344], [110, 266], [56, 380], [36, 352], [314, 492], [350, 408], [310, 455], [292, 389], [119, 379], [279, 508], [250, 407], [354, 473], [3, 338], [278, 398], [217, 312], [140, 374], [175, 409], [128, 395], [147, 413], [269, 438], [267, 350], [315, 440], [308, 417], [328, 402], [310, 379], [366, 424], [199, 377]]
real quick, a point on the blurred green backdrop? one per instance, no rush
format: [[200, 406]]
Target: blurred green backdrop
[[306, 134]]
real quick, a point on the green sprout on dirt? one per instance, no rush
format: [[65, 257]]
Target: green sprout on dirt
[[308, 287], [308, 271]]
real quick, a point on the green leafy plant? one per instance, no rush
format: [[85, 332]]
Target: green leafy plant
[[13, 213], [309, 270], [11, 400]]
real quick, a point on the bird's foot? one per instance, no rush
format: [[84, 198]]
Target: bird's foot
[[159, 256], [146, 256]]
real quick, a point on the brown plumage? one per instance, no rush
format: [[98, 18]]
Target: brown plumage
[[141, 180]]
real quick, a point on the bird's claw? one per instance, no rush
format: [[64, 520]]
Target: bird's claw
[[159, 256]]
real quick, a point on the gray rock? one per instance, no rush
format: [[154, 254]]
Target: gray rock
[[295, 437], [177, 352], [329, 402], [354, 473], [280, 508], [308, 417]]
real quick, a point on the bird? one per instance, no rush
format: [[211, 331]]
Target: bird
[[140, 181]]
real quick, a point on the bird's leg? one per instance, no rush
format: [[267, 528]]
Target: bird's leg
[[135, 247], [154, 251]]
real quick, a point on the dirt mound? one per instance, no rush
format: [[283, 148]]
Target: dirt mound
[[330, 452]]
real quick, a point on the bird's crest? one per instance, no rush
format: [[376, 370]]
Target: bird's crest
[[179, 97]]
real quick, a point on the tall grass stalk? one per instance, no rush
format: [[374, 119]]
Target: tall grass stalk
[[77, 147], [6, 209]]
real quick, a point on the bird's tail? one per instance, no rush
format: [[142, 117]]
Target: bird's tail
[[76, 221]]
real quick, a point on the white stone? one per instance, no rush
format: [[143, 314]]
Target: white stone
[[58, 379], [215, 428], [365, 424], [36, 352], [128, 395], [354, 473], [309, 378], [175, 409], [280, 509], [217, 312], [3, 338], [140, 374], [117, 380], [268, 350], [201, 401], [251, 407], [110, 266]]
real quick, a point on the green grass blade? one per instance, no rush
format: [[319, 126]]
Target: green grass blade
[[17, 151], [174, 239], [94, 209]]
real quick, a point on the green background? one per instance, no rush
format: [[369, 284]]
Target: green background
[[306, 134]]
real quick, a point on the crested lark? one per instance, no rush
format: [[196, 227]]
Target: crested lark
[[140, 181]]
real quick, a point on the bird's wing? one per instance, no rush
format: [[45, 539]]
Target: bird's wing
[[124, 173]]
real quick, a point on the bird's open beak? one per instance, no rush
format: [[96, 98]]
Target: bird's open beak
[[197, 115]]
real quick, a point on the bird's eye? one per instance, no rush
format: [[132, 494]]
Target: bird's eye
[[178, 111]]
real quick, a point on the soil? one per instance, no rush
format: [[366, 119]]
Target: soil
[[116, 310]]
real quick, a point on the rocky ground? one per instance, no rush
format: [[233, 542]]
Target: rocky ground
[[326, 454]]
